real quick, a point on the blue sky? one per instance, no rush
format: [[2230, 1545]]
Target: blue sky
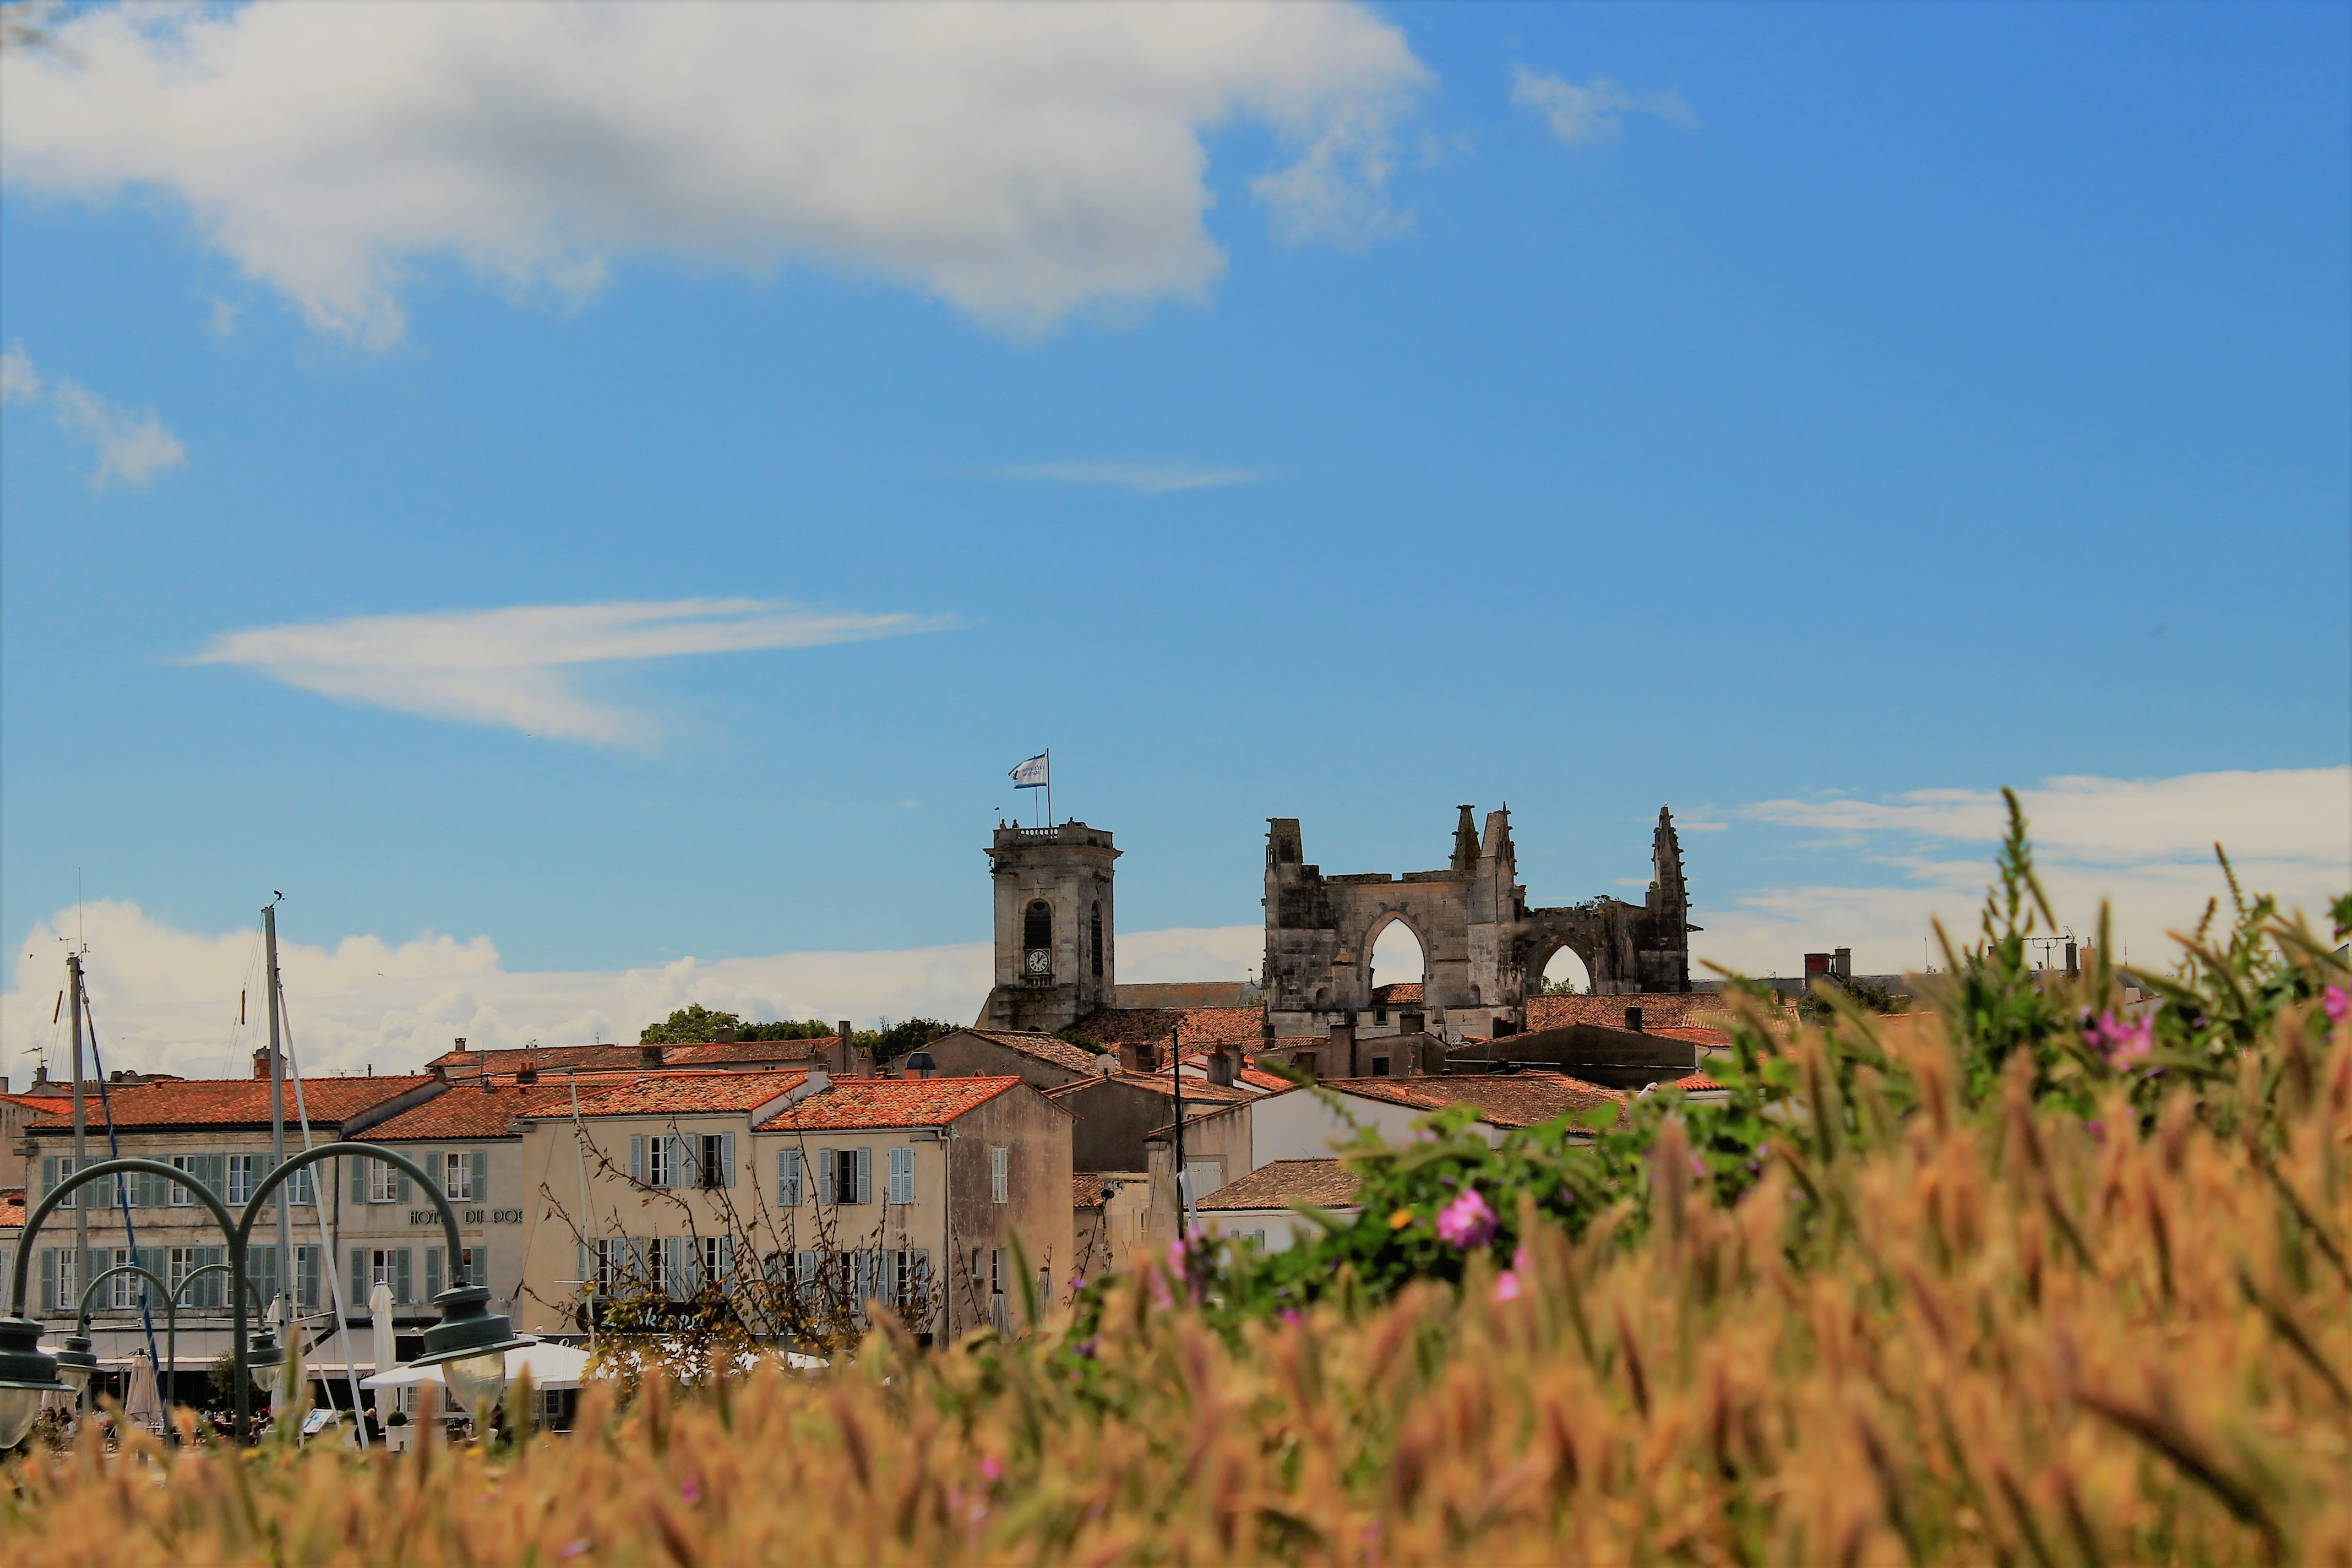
[[1753, 409]]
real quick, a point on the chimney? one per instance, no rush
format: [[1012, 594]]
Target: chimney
[[1817, 966], [1842, 964], [1220, 1066], [530, 1074], [1633, 1020], [649, 1056], [723, 1034], [261, 1062], [461, 1042], [2074, 965], [1343, 1050]]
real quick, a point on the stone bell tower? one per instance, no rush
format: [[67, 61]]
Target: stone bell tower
[[1054, 926]]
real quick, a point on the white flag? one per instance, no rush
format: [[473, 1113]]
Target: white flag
[[1032, 774]]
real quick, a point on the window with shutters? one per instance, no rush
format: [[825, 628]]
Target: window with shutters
[[661, 1161], [718, 1259], [181, 1197], [57, 1169], [122, 1291], [718, 1157], [458, 1177], [902, 1175], [612, 1264], [999, 1175], [243, 1171], [60, 1279], [787, 1178], [306, 1284], [383, 1182], [300, 1188]]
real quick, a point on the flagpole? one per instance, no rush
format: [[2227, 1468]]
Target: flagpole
[[1049, 786]]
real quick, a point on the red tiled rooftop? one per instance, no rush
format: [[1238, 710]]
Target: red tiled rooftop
[[12, 1207], [1661, 1011], [719, 1051], [1085, 1193], [470, 1111], [854, 1103], [1153, 1026], [1501, 1099], [1278, 1183], [1040, 1045], [1195, 1089], [1401, 992], [232, 1101], [677, 1094], [469, 1064], [1697, 1083]]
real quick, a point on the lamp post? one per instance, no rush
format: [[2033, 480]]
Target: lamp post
[[469, 1339], [78, 1346]]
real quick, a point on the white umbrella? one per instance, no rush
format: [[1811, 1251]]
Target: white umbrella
[[549, 1366], [143, 1400]]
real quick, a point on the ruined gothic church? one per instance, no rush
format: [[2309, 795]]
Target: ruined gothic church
[[1483, 946]]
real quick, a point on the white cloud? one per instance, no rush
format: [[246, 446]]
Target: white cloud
[[518, 667], [1155, 478], [1020, 161], [166, 1000], [2283, 812], [1580, 116], [19, 381], [132, 447], [2144, 846]]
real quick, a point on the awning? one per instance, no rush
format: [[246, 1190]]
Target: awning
[[549, 1366]]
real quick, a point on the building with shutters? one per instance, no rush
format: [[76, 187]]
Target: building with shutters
[[470, 1140], [907, 1194], [218, 1131]]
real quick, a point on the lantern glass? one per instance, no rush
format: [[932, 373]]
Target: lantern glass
[[477, 1382], [18, 1406]]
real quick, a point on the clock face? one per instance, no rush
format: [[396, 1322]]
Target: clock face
[[1041, 960]]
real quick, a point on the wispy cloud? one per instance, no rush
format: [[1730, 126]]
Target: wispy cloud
[[1153, 478], [2144, 846], [1581, 116], [518, 667], [131, 447]]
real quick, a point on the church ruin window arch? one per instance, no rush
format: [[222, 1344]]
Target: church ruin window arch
[[1394, 951]]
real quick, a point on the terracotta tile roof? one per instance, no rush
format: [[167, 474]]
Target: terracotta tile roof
[[43, 1102], [1044, 1046], [470, 1064], [1257, 1077], [1152, 1025], [1697, 1083], [471, 1110], [1278, 1183], [1196, 1089], [1705, 1039], [1402, 991], [852, 1103], [232, 1101], [1085, 1193], [1501, 1099], [669, 1094], [719, 1051], [1661, 1010], [12, 1208]]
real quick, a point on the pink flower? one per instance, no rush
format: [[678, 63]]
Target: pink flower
[[1506, 1286], [2338, 1003], [2119, 1042], [992, 1467], [573, 1550], [1466, 1222], [1698, 1167]]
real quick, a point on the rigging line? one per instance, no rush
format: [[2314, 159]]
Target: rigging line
[[319, 1212], [122, 1199]]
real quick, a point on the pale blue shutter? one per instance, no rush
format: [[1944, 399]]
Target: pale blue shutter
[[824, 1173], [359, 1165], [727, 1159], [676, 1170], [400, 1278], [787, 1178], [726, 1261], [866, 1175], [433, 1167], [432, 1272], [49, 1269], [403, 1190], [359, 1279], [637, 1158], [480, 1160]]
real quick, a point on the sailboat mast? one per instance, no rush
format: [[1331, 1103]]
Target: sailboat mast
[[82, 1142], [285, 1204]]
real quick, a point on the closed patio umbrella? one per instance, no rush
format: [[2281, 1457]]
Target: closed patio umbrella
[[143, 1400]]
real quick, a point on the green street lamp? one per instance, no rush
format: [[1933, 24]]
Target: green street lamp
[[27, 1372], [469, 1339], [77, 1365]]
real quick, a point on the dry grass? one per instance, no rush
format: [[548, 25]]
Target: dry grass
[[2024, 1339]]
